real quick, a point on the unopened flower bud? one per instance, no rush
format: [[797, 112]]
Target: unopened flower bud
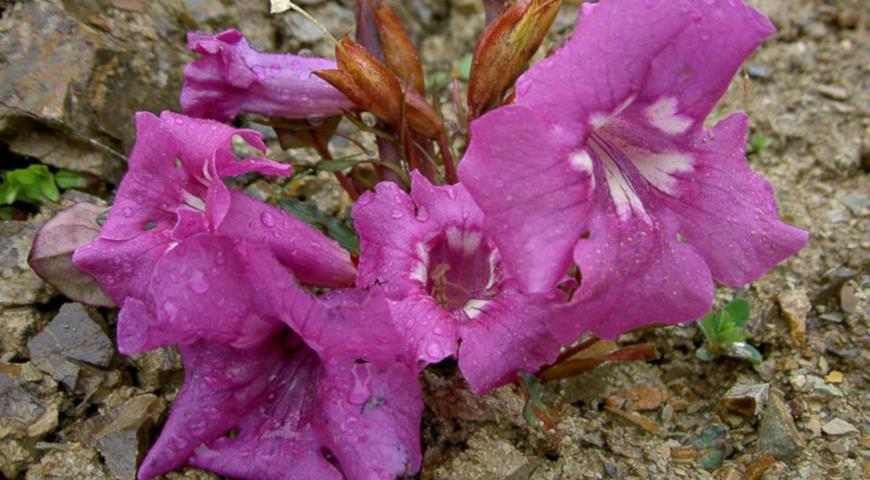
[[400, 54], [504, 49]]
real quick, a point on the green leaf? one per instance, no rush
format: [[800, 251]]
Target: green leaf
[[464, 67], [69, 179], [535, 411], [333, 227], [6, 213], [758, 143], [731, 335], [48, 189], [739, 312], [704, 355], [8, 193], [744, 351], [708, 326], [436, 80], [340, 164]]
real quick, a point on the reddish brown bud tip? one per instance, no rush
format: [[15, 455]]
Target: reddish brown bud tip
[[504, 49], [420, 116], [399, 51], [375, 87]]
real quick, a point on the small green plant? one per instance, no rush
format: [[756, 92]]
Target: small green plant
[[36, 184], [725, 334], [757, 144]]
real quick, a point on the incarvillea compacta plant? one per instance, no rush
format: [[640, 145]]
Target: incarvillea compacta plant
[[591, 199]]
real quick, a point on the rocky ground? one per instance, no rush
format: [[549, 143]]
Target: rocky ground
[[72, 73]]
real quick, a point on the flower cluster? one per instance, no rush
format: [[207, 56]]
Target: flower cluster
[[591, 198]]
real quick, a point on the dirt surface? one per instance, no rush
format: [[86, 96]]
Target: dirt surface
[[807, 415]]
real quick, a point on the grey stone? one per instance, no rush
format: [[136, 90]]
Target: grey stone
[[777, 433], [838, 426], [858, 202], [70, 460], [19, 285], [123, 442], [747, 399], [72, 336], [17, 325], [22, 414]]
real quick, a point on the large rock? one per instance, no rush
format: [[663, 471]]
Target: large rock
[[72, 75], [73, 336]]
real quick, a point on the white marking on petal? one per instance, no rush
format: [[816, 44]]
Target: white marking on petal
[[581, 161], [421, 270], [597, 120], [624, 197], [193, 201], [493, 265], [420, 273], [663, 115], [454, 238], [470, 243], [658, 168], [474, 307]]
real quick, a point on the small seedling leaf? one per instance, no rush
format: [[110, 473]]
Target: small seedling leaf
[[739, 312]]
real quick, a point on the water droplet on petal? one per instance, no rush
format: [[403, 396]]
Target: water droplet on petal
[[198, 282], [267, 219], [127, 211], [435, 351], [397, 214], [422, 213]]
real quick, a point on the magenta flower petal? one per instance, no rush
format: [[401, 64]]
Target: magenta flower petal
[[444, 277], [649, 205], [314, 258], [300, 411], [265, 395], [173, 191], [727, 208], [233, 78], [203, 289], [534, 214], [512, 329], [430, 330], [636, 274], [389, 257]]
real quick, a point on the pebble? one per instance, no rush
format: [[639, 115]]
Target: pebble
[[777, 433], [747, 399], [833, 92], [795, 306], [124, 441], [72, 336], [819, 385], [838, 426]]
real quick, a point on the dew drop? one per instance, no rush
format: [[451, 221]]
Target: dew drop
[[198, 283], [435, 351], [267, 219], [397, 214], [422, 214], [127, 211]]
